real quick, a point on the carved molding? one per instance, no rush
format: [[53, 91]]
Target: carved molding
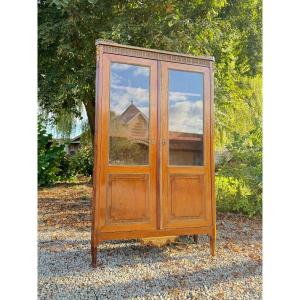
[[154, 55], [98, 53]]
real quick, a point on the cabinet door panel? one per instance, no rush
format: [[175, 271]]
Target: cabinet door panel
[[183, 190], [185, 106], [128, 199], [128, 144]]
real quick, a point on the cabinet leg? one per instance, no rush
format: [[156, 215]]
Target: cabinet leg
[[94, 256], [212, 243], [196, 238]]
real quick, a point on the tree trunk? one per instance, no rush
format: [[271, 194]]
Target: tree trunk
[[90, 111]]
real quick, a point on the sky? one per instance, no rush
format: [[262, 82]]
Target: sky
[[76, 130], [130, 83], [185, 101]]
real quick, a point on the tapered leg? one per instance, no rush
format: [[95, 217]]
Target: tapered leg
[[212, 243], [196, 238], [94, 256]]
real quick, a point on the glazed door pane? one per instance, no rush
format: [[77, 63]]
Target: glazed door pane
[[185, 105], [129, 114]]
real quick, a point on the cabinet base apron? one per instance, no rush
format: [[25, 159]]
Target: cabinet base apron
[[195, 232]]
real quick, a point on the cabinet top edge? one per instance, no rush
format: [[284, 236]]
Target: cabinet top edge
[[113, 44]]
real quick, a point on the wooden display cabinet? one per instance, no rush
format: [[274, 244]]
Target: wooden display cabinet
[[154, 157]]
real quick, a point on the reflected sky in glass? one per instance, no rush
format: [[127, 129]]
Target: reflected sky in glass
[[129, 84], [185, 101]]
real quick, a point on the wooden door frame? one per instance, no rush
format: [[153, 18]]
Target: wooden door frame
[[103, 153]]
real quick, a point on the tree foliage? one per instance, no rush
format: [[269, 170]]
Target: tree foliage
[[229, 30], [239, 180], [53, 164], [82, 162]]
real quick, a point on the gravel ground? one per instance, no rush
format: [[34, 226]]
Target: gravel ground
[[130, 270]]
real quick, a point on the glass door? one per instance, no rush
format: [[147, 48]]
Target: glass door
[[185, 123], [128, 144]]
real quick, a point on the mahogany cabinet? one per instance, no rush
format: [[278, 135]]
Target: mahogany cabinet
[[154, 157]]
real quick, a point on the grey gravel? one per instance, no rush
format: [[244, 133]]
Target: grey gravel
[[131, 270]]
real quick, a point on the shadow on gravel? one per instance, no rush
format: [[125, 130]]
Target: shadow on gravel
[[184, 280], [66, 210], [75, 260], [129, 256]]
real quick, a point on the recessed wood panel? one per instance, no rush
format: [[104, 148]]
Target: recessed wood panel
[[186, 196], [128, 198]]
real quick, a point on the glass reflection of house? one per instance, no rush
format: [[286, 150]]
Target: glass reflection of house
[[185, 148], [129, 140], [129, 134]]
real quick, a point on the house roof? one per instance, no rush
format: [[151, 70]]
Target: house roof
[[76, 139], [130, 112], [179, 138], [185, 136]]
